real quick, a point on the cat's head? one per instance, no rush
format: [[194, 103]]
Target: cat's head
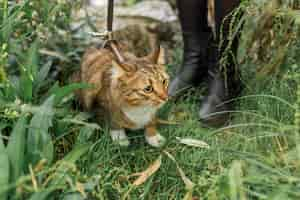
[[141, 81]]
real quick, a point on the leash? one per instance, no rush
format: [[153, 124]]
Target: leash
[[107, 35]]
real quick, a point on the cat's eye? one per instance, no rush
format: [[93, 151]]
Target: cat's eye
[[148, 89], [165, 82]]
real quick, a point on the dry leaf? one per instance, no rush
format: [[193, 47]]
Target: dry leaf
[[193, 142], [188, 195], [188, 183], [80, 189], [40, 165], [148, 172], [33, 179], [177, 116], [167, 122], [54, 54]]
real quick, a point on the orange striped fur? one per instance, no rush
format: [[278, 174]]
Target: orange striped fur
[[130, 92]]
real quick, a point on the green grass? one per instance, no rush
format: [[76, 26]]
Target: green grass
[[49, 149]]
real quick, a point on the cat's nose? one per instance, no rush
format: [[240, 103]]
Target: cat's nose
[[164, 96]]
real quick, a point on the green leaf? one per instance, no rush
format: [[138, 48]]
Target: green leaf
[[84, 134], [29, 72], [48, 149], [42, 195], [7, 29], [193, 142], [4, 171], [16, 148], [8, 93], [75, 121], [236, 182], [25, 87], [70, 158], [61, 92], [33, 60], [73, 196], [42, 76], [9, 19], [76, 153], [38, 136]]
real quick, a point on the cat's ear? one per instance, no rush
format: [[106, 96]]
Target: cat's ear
[[158, 56]]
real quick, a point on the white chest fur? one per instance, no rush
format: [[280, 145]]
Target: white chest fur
[[140, 116]]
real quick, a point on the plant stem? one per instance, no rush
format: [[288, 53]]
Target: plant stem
[[297, 113], [5, 9], [3, 51]]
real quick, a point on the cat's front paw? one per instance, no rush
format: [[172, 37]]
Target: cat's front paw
[[119, 137], [156, 140]]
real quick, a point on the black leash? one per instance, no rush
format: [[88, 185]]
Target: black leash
[[107, 35], [110, 16]]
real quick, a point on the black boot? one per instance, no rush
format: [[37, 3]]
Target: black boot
[[223, 85], [214, 108], [196, 34]]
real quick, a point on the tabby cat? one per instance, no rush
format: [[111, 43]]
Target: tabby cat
[[130, 92]]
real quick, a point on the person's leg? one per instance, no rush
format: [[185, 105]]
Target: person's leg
[[196, 34], [219, 90]]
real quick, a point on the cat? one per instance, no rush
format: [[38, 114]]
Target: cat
[[130, 92]]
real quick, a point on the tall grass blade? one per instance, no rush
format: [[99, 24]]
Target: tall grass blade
[[16, 148], [42, 76], [235, 182], [61, 92], [29, 73], [32, 61], [39, 141], [76, 153], [4, 170], [188, 183]]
